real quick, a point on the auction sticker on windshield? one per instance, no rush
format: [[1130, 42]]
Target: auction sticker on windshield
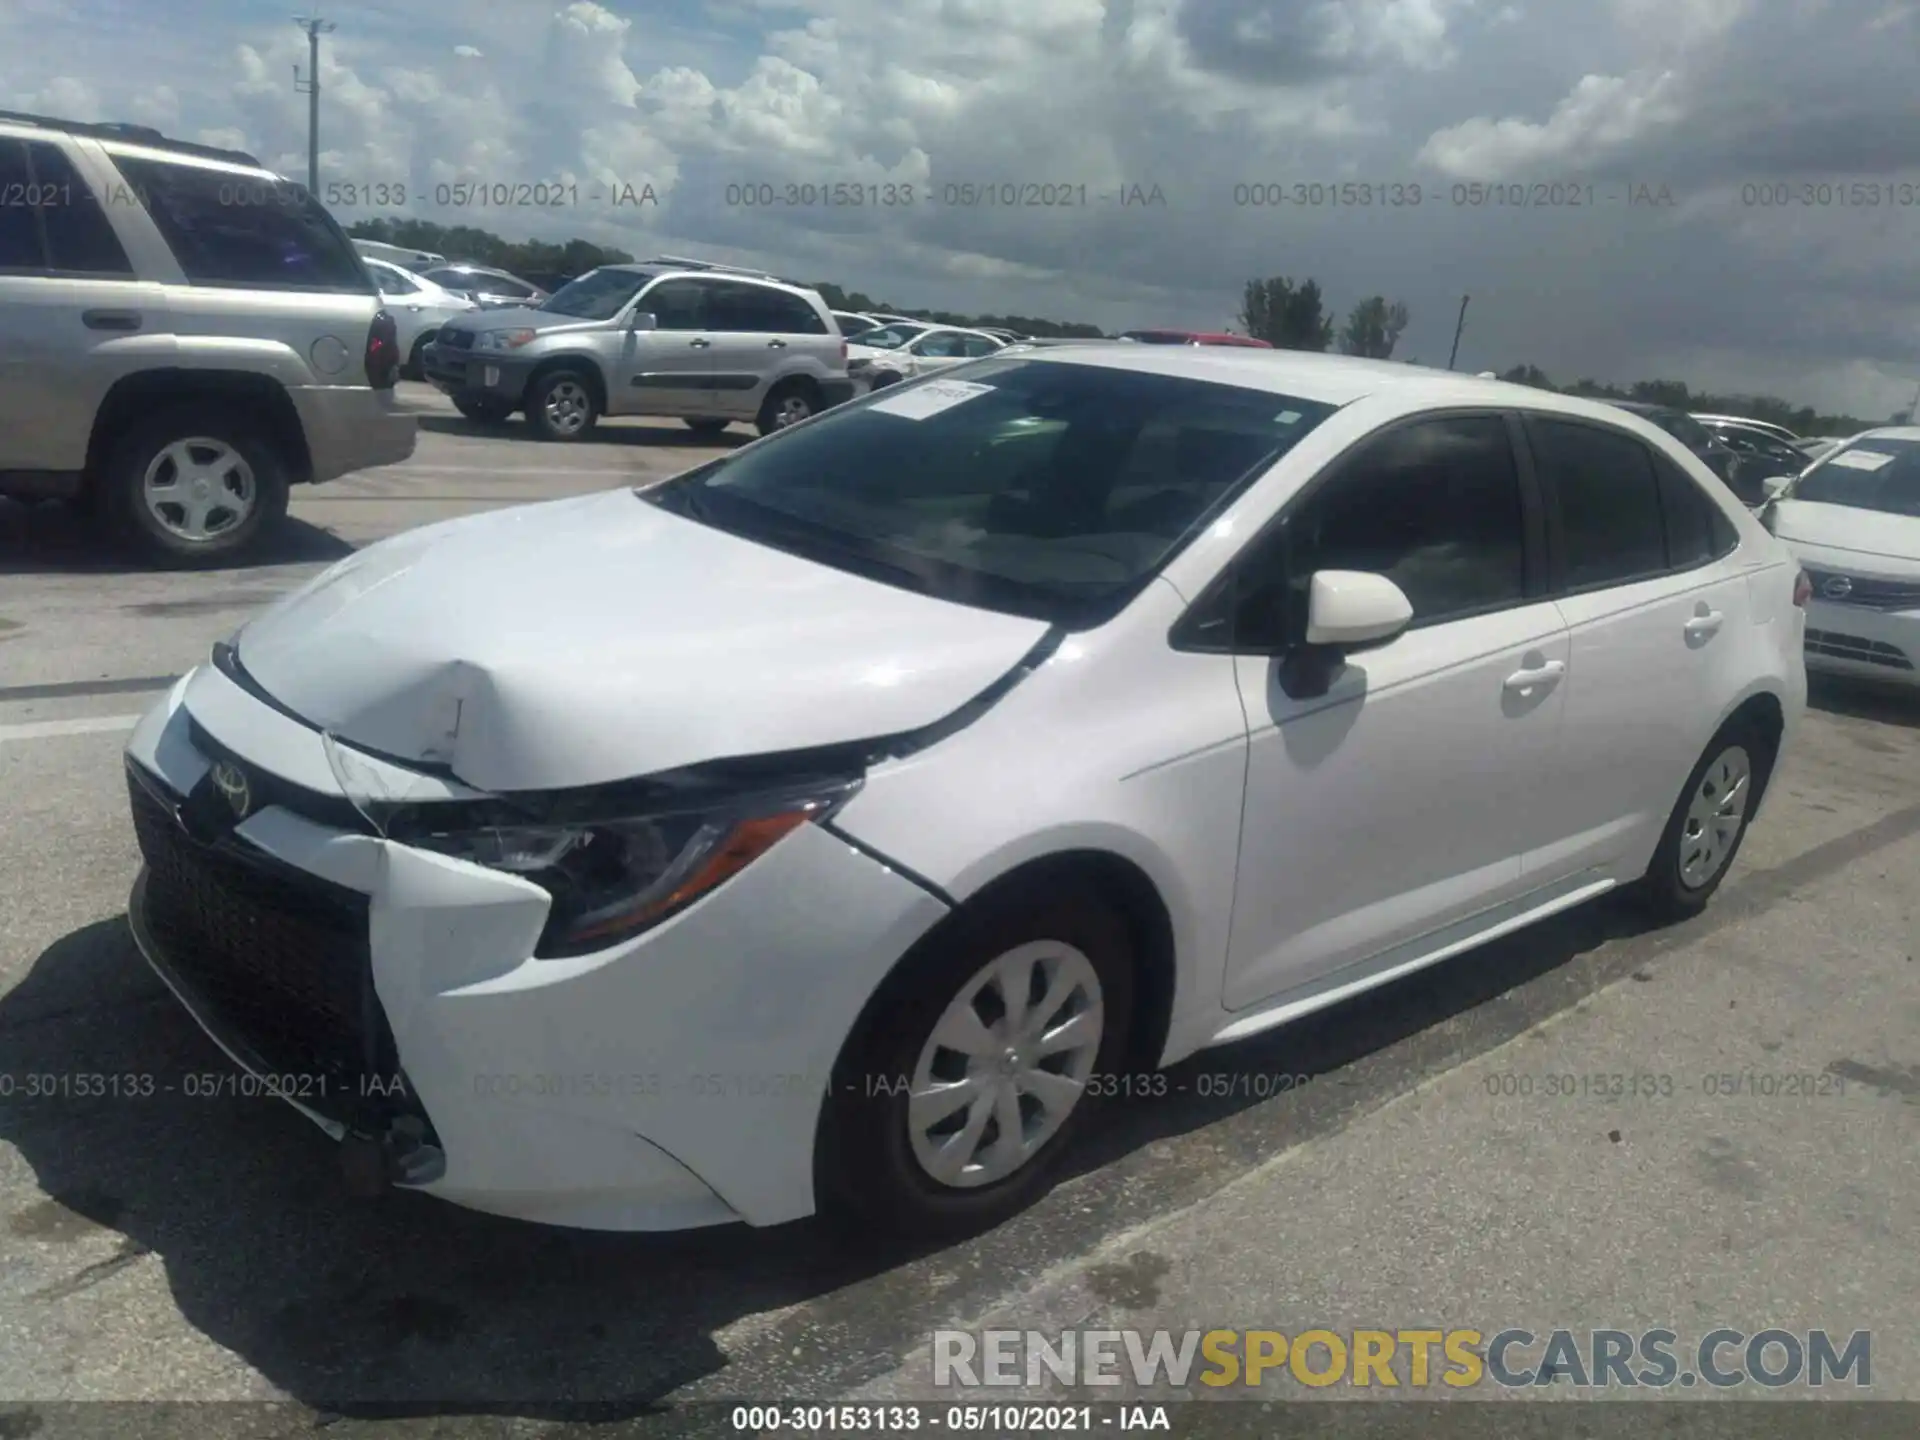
[[923, 401], [1861, 459]]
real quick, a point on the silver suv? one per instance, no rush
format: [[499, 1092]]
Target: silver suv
[[707, 344], [183, 335]]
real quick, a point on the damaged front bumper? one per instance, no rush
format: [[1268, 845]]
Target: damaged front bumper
[[391, 995]]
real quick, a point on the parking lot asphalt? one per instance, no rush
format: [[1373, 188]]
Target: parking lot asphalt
[[1432, 1170]]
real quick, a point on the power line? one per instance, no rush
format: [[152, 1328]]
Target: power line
[[310, 87]]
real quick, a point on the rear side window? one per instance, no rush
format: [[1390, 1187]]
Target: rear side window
[[49, 218], [1612, 528], [245, 232], [1698, 531]]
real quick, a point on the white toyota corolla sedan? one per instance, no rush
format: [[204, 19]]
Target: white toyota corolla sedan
[[1853, 519], [825, 828]]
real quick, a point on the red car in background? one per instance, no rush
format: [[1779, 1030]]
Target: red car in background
[[1194, 337]]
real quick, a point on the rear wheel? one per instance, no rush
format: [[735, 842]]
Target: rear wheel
[[975, 1066], [192, 486], [561, 405], [1707, 824], [787, 404], [883, 379], [415, 368], [484, 412]]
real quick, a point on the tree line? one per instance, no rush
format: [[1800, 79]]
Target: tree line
[[1288, 314]]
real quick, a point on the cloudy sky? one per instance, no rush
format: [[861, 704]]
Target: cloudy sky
[[1707, 108]]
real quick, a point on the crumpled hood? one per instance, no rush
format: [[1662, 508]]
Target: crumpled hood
[[600, 638], [1844, 537]]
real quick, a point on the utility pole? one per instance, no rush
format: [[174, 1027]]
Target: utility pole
[[1458, 326], [310, 86]]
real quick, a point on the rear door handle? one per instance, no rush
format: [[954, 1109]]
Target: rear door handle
[[1705, 625], [700, 344], [1539, 677], [110, 319]]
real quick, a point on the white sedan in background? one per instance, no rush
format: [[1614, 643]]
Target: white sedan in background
[[418, 307], [1853, 520], [1018, 729], [892, 353]]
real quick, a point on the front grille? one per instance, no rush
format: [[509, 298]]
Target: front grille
[[456, 339], [1854, 647], [277, 960], [1866, 593]]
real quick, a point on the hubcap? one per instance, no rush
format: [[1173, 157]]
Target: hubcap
[[1714, 817], [568, 406], [1005, 1065], [198, 488], [792, 410]]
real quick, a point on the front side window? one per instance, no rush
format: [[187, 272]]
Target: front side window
[[1434, 506], [1033, 487], [1875, 474], [1611, 525], [678, 304], [391, 279], [888, 337], [243, 231], [941, 345]]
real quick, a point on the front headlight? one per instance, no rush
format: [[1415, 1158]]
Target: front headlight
[[612, 879], [503, 339]]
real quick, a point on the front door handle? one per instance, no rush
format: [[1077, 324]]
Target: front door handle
[[110, 319], [700, 344], [776, 344], [1538, 677], [1705, 625]]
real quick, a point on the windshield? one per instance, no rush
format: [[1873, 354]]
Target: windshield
[[1879, 474], [1045, 489], [597, 295], [888, 337]]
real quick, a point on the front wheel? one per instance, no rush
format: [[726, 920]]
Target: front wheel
[[705, 424], [192, 487], [561, 406], [1707, 824], [974, 1067]]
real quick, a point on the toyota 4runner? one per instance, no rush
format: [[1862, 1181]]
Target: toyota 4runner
[[183, 335], [707, 344]]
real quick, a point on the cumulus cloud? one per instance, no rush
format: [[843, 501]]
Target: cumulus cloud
[[743, 121]]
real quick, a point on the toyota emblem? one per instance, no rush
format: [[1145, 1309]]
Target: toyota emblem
[[231, 781], [1838, 588]]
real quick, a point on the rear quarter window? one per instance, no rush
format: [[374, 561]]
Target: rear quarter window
[[244, 231]]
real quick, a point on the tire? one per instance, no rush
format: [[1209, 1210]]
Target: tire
[[869, 1173], [415, 368], [1684, 872], [705, 424], [561, 405], [882, 380], [228, 482], [484, 412], [786, 405]]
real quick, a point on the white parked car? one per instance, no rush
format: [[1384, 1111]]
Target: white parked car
[[901, 351], [1853, 519], [1017, 731], [418, 306]]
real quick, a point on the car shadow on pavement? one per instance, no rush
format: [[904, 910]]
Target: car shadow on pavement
[[606, 432], [54, 538], [408, 1305], [1862, 700]]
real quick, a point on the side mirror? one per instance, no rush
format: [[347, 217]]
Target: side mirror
[[1347, 610], [644, 320], [1774, 484]]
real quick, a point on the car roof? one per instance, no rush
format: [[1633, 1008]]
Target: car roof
[[1886, 432], [1327, 379]]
